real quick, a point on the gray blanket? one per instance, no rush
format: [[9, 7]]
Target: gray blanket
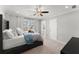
[[31, 37]]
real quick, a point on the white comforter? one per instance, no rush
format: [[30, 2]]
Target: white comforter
[[19, 40]]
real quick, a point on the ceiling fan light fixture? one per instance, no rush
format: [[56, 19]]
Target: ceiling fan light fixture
[[40, 11]]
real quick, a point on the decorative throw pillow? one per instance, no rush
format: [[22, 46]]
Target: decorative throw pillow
[[19, 31], [10, 34], [5, 36]]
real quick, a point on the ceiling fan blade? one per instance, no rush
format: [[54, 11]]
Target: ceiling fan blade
[[41, 14], [44, 11]]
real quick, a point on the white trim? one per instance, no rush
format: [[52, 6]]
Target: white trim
[[53, 16], [67, 12], [59, 41]]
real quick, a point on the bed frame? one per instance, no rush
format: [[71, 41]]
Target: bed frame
[[18, 49], [23, 48]]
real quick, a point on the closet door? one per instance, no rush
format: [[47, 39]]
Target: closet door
[[43, 29], [1, 43], [52, 29]]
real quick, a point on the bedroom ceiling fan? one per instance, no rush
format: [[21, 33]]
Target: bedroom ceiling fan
[[39, 11]]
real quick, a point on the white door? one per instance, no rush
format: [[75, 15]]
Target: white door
[[43, 28], [52, 29]]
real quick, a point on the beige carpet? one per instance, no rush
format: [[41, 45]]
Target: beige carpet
[[49, 47]]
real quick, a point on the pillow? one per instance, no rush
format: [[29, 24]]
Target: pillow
[[15, 33], [19, 31], [10, 34], [5, 36]]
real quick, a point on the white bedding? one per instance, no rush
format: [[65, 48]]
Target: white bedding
[[19, 40], [10, 43]]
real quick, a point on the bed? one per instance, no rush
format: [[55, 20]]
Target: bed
[[18, 44], [17, 41]]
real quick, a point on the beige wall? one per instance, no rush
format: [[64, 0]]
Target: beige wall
[[68, 26], [63, 27], [18, 21]]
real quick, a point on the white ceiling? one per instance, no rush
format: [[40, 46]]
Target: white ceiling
[[28, 10]]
